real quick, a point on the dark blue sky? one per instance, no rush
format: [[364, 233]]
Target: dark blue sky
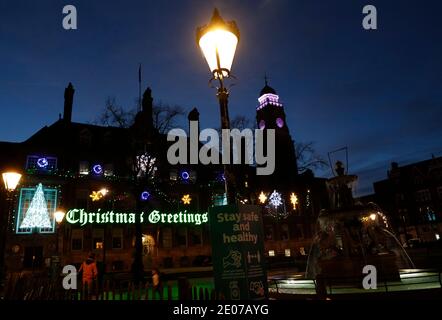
[[377, 92]]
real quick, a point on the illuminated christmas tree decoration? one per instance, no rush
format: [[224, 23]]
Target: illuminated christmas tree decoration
[[42, 163], [262, 197], [275, 199], [37, 216], [294, 200], [97, 169], [186, 199], [145, 195]]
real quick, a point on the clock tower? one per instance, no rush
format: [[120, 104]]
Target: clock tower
[[270, 115]]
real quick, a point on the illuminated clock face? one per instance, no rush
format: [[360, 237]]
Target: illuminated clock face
[[279, 122], [262, 124]]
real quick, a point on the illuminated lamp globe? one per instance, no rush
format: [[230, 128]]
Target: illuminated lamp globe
[[218, 41], [59, 216], [11, 180]]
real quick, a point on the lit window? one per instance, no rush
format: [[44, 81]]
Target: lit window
[[84, 168], [173, 175], [41, 163], [97, 238], [108, 170], [220, 200], [287, 252], [271, 253]]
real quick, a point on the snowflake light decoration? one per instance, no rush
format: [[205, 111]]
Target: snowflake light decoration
[[96, 195], [262, 197], [146, 165], [186, 199], [294, 200], [275, 199]]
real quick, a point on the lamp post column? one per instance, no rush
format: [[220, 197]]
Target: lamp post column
[[4, 232], [223, 98]]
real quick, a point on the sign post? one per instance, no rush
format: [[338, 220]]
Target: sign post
[[238, 252]]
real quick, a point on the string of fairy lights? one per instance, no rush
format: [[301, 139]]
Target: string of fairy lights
[[275, 203]]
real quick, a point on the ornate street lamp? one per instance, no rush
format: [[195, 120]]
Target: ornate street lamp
[[11, 180], [218, 41], [59, 216]]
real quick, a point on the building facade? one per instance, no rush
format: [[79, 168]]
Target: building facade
[[412, 198], [104, 177]]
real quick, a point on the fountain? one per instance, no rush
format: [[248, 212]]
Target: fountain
[[351, 235]]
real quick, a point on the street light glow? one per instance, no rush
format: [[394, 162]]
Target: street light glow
[[218, 41], [59, 216], [11, 180]]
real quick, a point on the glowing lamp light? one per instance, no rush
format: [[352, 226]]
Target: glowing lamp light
[[11, 180], [186, 199], [59, 216], [437, 236], [97, 169], [262, 197], [218, 41], [373, 217], [42, 163], [145, 195]]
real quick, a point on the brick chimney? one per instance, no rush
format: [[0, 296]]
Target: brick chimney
[[68, 101]]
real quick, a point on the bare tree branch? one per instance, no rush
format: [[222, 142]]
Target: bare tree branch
[[164, 116], [307, 158]]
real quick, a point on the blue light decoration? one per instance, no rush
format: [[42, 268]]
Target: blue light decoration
[[97, 169], [42, 163], [185, 175], [145, 195]]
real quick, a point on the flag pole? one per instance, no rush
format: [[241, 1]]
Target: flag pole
[[139, 87]]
